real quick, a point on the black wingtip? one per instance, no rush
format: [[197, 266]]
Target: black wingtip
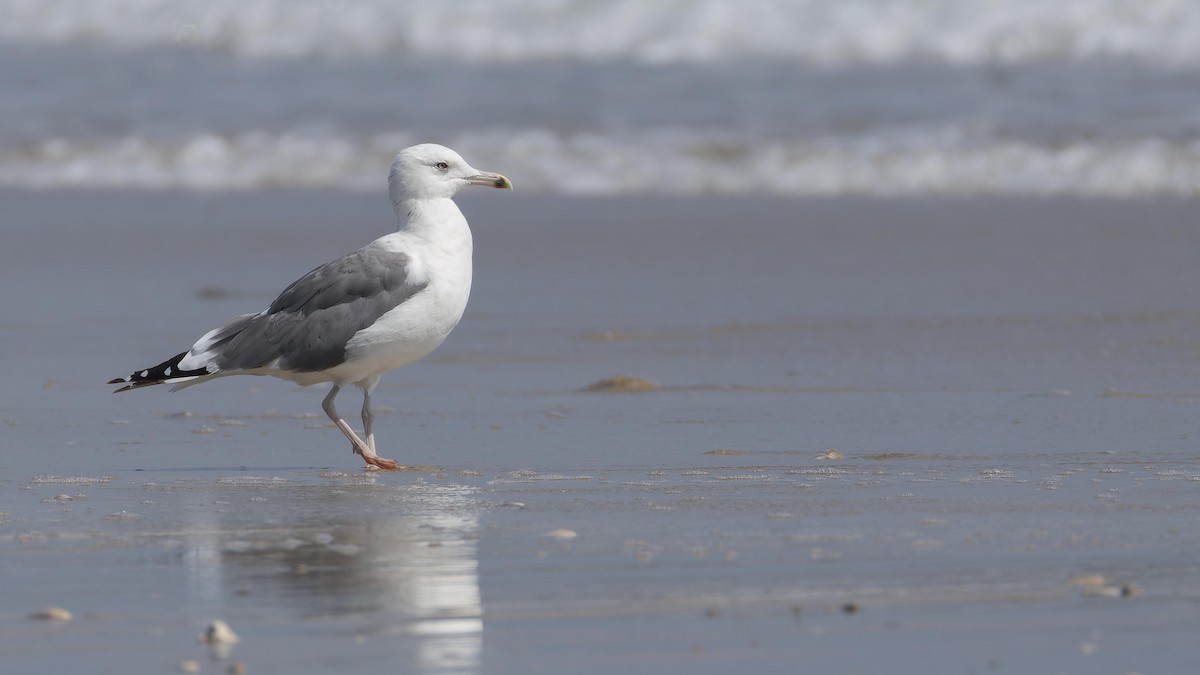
[[163, 372], [128, 382]]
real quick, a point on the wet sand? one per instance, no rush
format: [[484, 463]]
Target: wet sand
[[1012, 389]]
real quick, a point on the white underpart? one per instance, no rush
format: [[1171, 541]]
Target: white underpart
[[438, 244], [415, 328]]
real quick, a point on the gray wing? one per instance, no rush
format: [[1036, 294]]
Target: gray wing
[[309, 324]]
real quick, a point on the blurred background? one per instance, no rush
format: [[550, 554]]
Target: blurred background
[[916, 280], [806, 97]]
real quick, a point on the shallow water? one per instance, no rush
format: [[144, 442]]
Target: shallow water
[[1011, 386]]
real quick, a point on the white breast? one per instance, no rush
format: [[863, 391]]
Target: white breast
[[416, 327]]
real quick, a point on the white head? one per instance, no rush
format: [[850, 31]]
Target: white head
[[431, 171]]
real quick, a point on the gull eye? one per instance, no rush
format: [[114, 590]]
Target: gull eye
[[442, 166]]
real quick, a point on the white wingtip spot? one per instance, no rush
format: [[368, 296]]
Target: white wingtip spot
[[167, 372], [145, 373]]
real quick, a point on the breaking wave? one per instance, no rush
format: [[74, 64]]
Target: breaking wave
[[651, 161], [829, 33]]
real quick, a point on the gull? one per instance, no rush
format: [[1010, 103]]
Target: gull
[[349, 321]]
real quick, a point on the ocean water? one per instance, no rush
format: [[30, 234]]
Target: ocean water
[[1097, 98]]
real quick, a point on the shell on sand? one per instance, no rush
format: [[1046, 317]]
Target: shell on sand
[[622, 384], [219, 633], [51, 614]]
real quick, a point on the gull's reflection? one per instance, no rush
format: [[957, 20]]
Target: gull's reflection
[[387, 561]]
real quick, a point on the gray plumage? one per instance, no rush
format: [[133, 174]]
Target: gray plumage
[[309, 324]]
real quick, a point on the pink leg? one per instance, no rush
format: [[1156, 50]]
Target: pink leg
[[360, 447]]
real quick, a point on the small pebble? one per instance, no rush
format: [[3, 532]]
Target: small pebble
[[851, 608], [561, 534], [189, 666], [237, 669], [830, 454], [51, 614], [219, 633]]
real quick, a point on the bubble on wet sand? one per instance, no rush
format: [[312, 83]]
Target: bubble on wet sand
[[122, 516]]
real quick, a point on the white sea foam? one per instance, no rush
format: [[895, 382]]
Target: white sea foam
[[71, 480], [829, 32], [947, 162]]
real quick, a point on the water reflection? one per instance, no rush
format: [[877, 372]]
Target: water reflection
[[383, 561]]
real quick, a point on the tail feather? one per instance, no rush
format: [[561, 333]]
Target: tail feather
[[167, 371]]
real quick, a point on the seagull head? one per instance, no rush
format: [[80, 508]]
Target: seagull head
[[431, 171]]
